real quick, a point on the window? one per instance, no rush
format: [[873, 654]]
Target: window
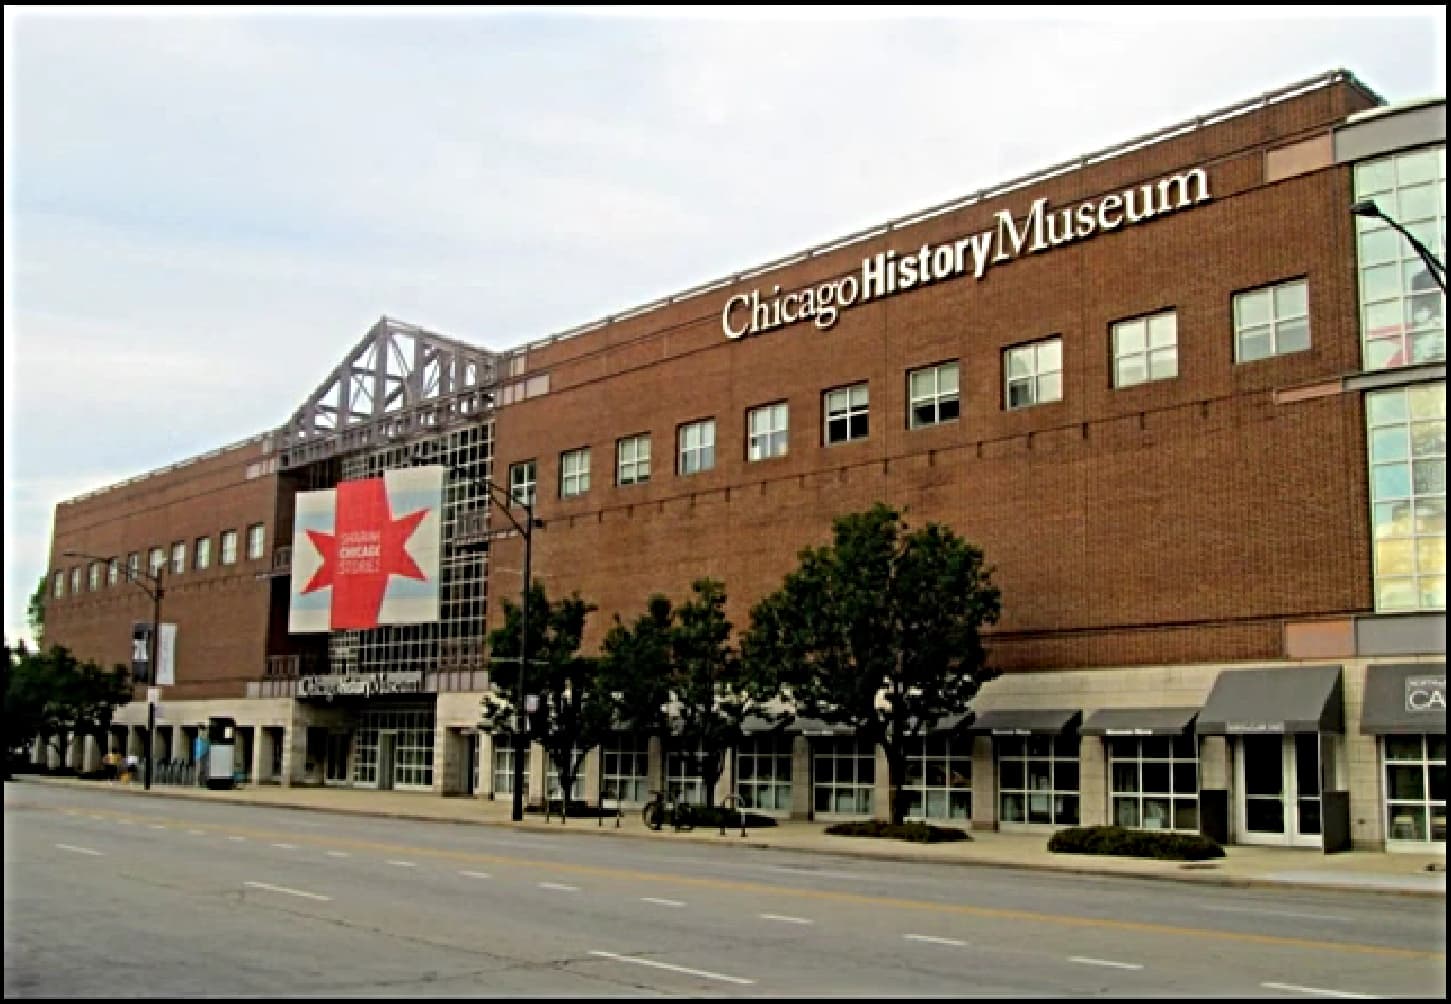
[[846, 414], [626, 768], [229, 547], [156, 561], [939, 778], [1155, 782], [1407, 438], [573, 473], [93, 576], [202, 553], [1272, 321], [1402, 313], [763, 772], [113, 571], [682, 779], [133, 566], [1415, 788], [632, 460], [58, 589], [932, 395], [256, 536], [504, 766], [523, 480], [178, 557], [843, 776], [1038, 779], [768, 427], [1145, 349], [1033, 373], [75, 580], [697, 446]]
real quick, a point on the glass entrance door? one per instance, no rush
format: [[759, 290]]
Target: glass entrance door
[[338, 745], [1279, 784], [387, 742]]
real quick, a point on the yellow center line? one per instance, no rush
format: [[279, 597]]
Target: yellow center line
[[822, 895]]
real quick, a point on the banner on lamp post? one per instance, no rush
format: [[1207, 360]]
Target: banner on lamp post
[[166, 656], [141, 652]]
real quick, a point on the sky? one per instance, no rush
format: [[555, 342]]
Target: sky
[[205, 211]]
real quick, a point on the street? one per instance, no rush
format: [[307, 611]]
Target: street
[[113, 896]]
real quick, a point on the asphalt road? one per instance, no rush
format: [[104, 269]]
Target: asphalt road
[[109, 895]]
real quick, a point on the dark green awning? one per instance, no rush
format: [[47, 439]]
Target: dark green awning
[[1404, 699], [1284, 700]]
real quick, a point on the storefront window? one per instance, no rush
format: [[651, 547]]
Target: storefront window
[[763, 773], [551, 779], [682, 778], [1038, 779], [939, 779], [843, 775], [504, 768], [626, 768], [407, 735], [1415, 788], [1154, 782]]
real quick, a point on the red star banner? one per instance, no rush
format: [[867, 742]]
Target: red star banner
[[367, 552]]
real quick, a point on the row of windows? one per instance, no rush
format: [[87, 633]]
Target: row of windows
[[157, 559], [1268, 322]]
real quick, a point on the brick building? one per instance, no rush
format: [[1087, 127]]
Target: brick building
[[1191, 407]]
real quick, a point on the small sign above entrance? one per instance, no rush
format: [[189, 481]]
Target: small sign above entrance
[[359, 684]]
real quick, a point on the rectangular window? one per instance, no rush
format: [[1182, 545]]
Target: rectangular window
[[75, 580], [932, 395], [1033, 373], [573, 473], [1272, 321], [93, 576], [256, 537], [845, 416], [844, 776], [763, 770], [523, 479], [113, 571], [1415, 790], [1402, 312], [626, 772], [156, 562], [1154, 782], [939, 778], [59, 588], [178, 557], [632, 460], [133, 566], [697, 446], [1038, 779], [768, 427], [202, 554], [1146, 349], [1406, 433], [229, 547]]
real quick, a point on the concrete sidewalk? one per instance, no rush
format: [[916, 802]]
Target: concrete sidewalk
[[1367, 871]]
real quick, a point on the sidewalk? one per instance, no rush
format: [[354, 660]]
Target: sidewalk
[[1366, 871]]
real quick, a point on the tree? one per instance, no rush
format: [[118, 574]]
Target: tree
[[53, 695], [573, 714], [879, 631], [635, 669], [35, 613]]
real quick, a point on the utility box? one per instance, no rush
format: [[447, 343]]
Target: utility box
[[221, 751]]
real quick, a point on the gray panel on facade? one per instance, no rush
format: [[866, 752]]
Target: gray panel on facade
[[1293, 699], [1139, 722], [1404, 699], [1390, 131], [1026, 721], [1401, 634]]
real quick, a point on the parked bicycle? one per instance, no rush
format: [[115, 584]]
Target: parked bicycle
[[664, 808]]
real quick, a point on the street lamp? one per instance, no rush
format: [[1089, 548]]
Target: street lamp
[[152, 586], [1368, 209], [527, 532]]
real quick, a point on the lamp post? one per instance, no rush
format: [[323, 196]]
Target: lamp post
[[152, 586], [1369, 210], [527, 532]]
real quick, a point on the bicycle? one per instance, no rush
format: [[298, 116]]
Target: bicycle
[[663, 808]]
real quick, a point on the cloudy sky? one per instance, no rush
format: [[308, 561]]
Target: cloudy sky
[[203, 213]]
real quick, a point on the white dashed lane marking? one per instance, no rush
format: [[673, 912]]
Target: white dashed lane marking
[[403, 864], [286, 847], [1104, 962], [558, 887], [290, 892], [1321, 993], [786, 920], [661, 902], [80, 850], [933, 940], [477, 875], [674, 969]]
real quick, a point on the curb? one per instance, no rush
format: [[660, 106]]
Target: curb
[[1196, 876]]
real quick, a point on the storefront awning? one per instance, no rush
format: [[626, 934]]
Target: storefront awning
[[1288, 700], [1404, 699], [1026, 721], [816, 727], [1139, 721]]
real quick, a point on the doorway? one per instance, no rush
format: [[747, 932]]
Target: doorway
[[387, 741], [1279, 784], [339, 744]]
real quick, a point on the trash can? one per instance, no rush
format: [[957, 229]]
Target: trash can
[[221, 746]]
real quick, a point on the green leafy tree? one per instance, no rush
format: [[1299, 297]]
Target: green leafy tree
[[573, 713], [53, 695], [879, 631], [35, 613], [635, 668]]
